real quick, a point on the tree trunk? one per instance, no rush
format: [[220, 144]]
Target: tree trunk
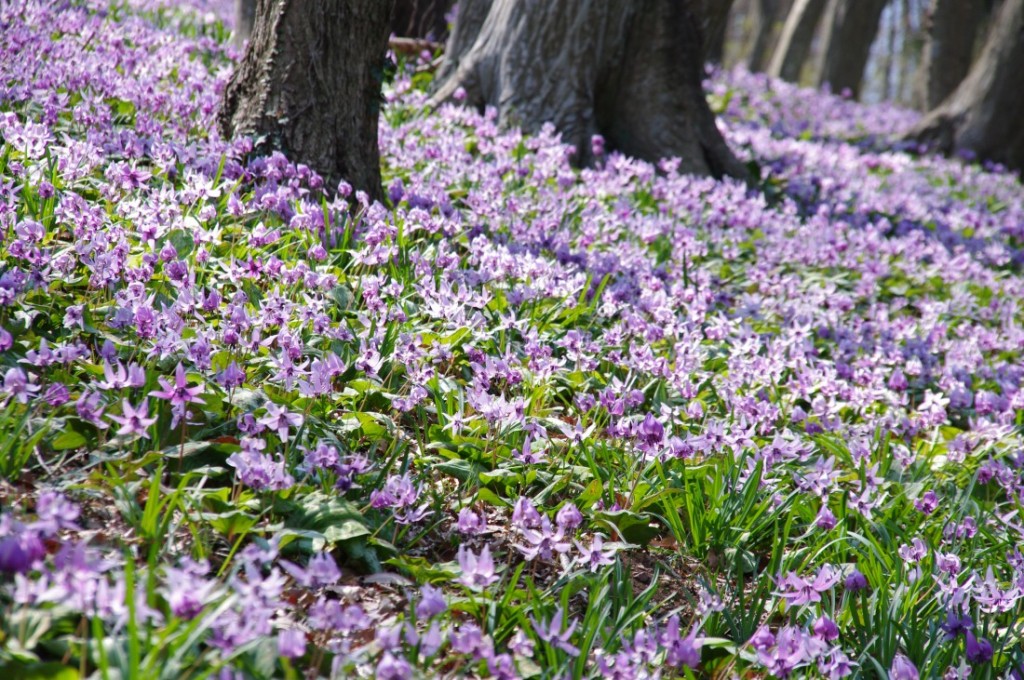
[[421, 19], [245, 16], [629, 70], [948, 49], [764, 20], [795, 42], [713, 16], [850, 28], [984, 114], [309, 86], [468, 22]]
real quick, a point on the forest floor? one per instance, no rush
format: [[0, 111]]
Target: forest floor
[[523, 421]]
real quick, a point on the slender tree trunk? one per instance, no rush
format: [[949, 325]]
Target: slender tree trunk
[[629, 70], [309, 86], [795, 41], [890, 56], [850, 29], [984, 114], [951, 26], [245, 16], [765, 16]]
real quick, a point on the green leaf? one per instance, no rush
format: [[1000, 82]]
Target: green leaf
[[337, 519], [592, 493], [342, 296], [633, 527], [423, 571], [38, 671], [182, 241], [462, 470], [230, 523], [348, 529], [69, 439]]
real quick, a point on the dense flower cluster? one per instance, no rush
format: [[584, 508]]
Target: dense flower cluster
[[610, 422]]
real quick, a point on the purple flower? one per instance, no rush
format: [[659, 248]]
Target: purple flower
[[544, 542], [391, 667], [260, 471], [793, 648], [470, 523], [569, 516], [991, 598], [16, 385], [903, 669], [133, 421], [431, 602], [955, 625], [927, 503], [18, 553], [186, 590], [57, 394], [179, 394], [825, 519], [762, 639], [291, 643], [477, 570], [651, 432], [595, 555], [322, 570], [948, 563], [431, 640], [680, 651], [826, 629], [400, 495], [521, 644], [469, 639], [835, 665], [232, 376], [54, 512], [798, 591], [279, 419], [524, 514], [855, 581], [979, 650], [553, 634]]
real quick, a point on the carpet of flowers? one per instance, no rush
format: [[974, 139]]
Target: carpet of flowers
[[526, 421]]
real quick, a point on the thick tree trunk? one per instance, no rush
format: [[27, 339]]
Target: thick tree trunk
[[984, 114], [795, 41], [629, 70], [245, 16], [948, 49], [309, 86], [421, 19], [850, 28], [713, 16]]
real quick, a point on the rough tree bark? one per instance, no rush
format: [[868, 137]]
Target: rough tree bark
[[984, 114], [468, 23], [309, 85], [795, 41], [850, 28], [629, 70], [948, 50]]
